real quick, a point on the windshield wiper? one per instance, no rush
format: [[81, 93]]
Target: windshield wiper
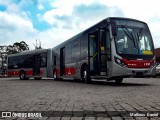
[[129, 34], [140, 34]]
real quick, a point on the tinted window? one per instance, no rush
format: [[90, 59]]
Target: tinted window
[[25, 61], [44, 59], [84, 46], [13, 62], [75, 50], [68, 53]]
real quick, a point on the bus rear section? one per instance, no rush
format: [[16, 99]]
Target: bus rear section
[[36, 64]]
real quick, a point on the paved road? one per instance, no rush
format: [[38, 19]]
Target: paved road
[[74, 100]]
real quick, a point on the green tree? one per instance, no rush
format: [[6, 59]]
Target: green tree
[[20, 46], [17, 47], [10, 49]]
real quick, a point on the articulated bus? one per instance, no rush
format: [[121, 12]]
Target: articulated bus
[[35, 63], [113, 49]]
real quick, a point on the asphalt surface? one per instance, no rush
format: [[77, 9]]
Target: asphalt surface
[[134, 99]]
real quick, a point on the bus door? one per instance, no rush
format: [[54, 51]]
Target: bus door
[[62, 61], [97, 53], [93, 53], [36, 65]]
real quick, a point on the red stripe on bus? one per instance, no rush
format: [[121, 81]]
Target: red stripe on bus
[[68, 71], [41, 72], [27, 72], [138, 63], [58, 72], [13, 73]]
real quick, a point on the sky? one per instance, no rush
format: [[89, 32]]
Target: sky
[[54, 21]]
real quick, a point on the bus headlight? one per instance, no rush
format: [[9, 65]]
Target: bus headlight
[[119, 62]]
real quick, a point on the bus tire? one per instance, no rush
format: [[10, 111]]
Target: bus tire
[[118, 80], [85, 75], [22, 75], [54, 74]]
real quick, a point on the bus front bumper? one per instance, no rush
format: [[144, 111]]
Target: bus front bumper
[[133, 72]]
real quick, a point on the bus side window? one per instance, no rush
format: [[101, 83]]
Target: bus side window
[[54, 60], [29, 61], [11, 62], [43, 59], [75, 50], [23, 61], [43, 62]]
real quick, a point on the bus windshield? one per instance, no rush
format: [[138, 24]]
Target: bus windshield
[[131, 40]]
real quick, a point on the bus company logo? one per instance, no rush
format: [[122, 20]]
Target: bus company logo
[[6, 114]]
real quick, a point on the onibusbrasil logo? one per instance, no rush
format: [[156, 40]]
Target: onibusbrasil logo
[[21, 114]]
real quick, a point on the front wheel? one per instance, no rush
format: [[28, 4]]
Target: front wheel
[[22, 75], [85, 75], [118, 80]]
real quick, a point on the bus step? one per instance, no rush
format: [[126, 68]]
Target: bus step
[[99, 77]]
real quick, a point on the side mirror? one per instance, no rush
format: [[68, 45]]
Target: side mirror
[[114, 28]]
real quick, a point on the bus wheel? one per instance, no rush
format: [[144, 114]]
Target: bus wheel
[[54, 74], [22, 75], [118, 80], [85, 75]]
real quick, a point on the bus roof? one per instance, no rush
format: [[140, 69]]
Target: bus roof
[[104, 20], [123, 18], [28, 52], [79, 34]]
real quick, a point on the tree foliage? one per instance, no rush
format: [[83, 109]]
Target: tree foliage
[[17, 47], [11, 49]]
